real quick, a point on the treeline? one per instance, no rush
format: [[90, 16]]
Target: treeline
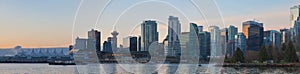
[[285, 54]]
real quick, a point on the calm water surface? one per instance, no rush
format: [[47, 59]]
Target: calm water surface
[[134, 69]]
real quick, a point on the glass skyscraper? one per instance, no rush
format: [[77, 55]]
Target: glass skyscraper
[[240, 42], [204, 45], [294, 20], [232, 31], [254, 33], [215, 40], [94, 39], [149, 33], [272, 37], [193, 44], [133, 44], [285, 35], [294, 14], [174, 31]]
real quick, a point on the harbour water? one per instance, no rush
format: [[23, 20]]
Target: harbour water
[[10, 68]]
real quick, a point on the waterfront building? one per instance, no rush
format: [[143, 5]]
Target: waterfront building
[[294, 21], [272, 37], [224, 40], [193, 44], [80, 43], [254, 34], [285, 35], [94, 39], [133, 44], [215, 40], [232, 31], [174, 31], [294, 14], [149, 34], [204, 45], [240, 42], [107, 47]]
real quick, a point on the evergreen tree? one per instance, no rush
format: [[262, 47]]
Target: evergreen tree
[[297, 43], [270, 51], [290, 55], [283, 47], [277, 54], [262, 55], [238, 56]]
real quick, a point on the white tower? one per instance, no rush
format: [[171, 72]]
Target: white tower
[[114, 40]]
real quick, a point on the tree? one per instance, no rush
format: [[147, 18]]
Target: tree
[[290, 55], [262, 55], [270, 51], [283, 47], [297, 43], [277, 54], [238, 56]]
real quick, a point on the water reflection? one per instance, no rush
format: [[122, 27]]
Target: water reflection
[[136, 69]]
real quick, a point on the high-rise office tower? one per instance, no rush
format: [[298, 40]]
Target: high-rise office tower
[[80, 43], [240, 42], [133, 44], [107, 47], [296, 28], [272, 37], [174, 31], [149, 33], [114, 40], [224, 40], [224, 33], [294, 21], [254, 33], [193, 44], [94, 39], [285, 35], [184, 40], [204, 45], [232, 31], [215, 40], [294, 14]]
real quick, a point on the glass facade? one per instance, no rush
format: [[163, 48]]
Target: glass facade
[[94, 39], [149, 34], [272, 37], [204, 40], [215, 40], [294, 14], [285, 35], [193, 39], [254, 33], [240, 42], [174, 31], [133, 44]]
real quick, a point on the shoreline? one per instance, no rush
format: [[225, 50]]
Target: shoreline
[[236, 65], [259, 65]]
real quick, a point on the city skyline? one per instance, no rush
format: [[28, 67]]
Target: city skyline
[[34, 34]]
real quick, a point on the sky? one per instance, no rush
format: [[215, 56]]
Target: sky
[[50, 23]]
